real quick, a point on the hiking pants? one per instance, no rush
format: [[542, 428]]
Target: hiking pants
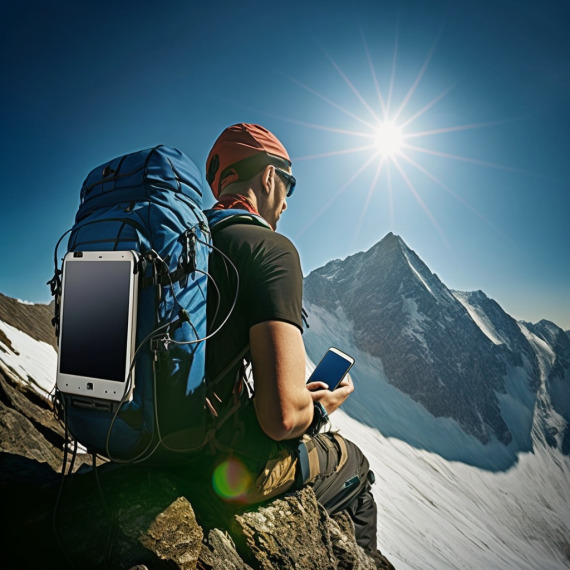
[[342, 482]]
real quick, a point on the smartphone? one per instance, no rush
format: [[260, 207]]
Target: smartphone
[[333, 367]]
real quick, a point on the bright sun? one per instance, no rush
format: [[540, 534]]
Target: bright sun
[[388, 139], [387, 148]]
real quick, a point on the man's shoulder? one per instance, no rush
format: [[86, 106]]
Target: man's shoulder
[[253, 235]]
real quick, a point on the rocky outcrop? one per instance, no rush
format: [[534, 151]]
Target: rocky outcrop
[[137, 517]]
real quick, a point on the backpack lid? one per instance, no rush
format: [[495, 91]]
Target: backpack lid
[[143, 173]]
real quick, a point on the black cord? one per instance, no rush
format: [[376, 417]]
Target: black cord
[[106, 511], [60, 490], [141, 456], [234, 301]]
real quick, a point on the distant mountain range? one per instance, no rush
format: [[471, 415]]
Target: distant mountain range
[[457, 354]]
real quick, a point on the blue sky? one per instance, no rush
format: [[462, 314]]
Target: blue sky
[[480, 189]]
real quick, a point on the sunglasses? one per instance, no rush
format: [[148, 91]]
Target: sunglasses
[[289, 179]]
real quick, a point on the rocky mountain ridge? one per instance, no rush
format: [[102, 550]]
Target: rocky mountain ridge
[[32, 319]]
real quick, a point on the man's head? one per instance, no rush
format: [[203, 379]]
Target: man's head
[[249, 157]]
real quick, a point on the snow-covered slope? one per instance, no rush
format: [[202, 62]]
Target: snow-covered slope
[[32, 360], [511, 512], [445, 515]]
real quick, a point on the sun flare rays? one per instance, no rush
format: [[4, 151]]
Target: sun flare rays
[[391, 135]]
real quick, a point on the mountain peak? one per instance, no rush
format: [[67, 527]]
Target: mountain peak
[[392, 241], [389, 262]]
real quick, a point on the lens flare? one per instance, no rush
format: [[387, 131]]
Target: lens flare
[[231, 480]]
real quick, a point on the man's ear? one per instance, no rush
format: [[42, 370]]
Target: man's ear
[[268, 179]]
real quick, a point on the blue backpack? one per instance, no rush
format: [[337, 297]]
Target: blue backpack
[[151, 202]]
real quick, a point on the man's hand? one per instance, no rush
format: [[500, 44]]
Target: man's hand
[[331, 399]]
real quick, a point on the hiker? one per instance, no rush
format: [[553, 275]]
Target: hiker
[[273, 442]]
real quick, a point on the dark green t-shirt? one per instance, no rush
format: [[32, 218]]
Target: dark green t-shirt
[[269, 288]]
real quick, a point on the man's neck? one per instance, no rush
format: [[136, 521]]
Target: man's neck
[[231, 200]]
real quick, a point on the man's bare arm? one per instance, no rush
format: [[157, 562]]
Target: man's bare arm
[[283, 404]]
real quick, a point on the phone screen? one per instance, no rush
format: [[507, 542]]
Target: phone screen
[[95, 316], [332, 368]]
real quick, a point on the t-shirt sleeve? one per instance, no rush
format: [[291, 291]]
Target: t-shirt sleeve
[[274, 291]]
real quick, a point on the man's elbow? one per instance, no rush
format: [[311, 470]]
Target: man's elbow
[[279, 435], [283, 428]]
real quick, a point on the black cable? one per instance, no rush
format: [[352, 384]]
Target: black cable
[[230, 311], [234, 302], [124, 399], [106, 511], [60, 491], [57, 247]]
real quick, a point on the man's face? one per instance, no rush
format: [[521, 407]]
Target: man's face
[[276, 203]]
